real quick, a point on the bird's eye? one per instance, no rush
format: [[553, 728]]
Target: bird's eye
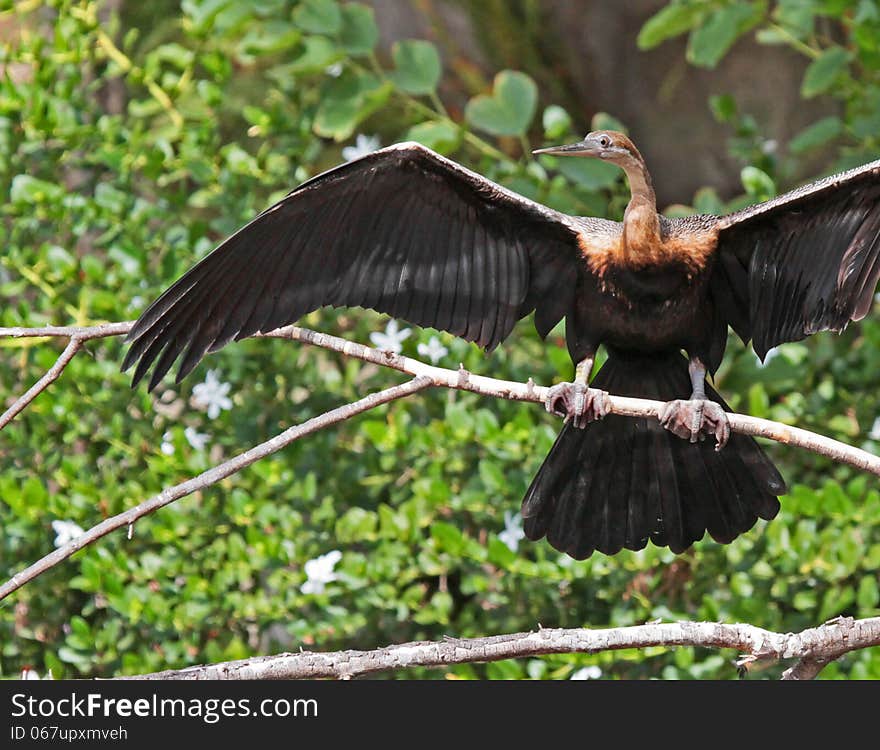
[[604, 141]]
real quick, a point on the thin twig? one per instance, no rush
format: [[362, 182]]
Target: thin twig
[[827, 642], [211, 476], [73, 346], [77, 335]]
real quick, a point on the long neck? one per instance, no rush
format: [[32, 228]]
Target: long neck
[[641, 224]]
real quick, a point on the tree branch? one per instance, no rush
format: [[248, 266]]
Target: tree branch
[[467, 381], [211, 476], [77, 336], [629, 407], [822, 644]]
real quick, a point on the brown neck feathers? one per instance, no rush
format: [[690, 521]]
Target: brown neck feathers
[[641, 224]]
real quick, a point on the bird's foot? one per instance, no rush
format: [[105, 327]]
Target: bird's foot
[[577, 402], [696, 419]]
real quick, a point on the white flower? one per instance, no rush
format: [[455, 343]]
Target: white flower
[[768, 357], [433, 350], [334, 70], [363, 145], [167, 446], [874, 434], [392, 339], [770, 146], [513, 531], [65, 531], [198, 440], [319, 572], [30, 674], [587, 673], [211, 396]]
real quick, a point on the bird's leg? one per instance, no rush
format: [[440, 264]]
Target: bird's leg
[[698, 417], [577, 401]]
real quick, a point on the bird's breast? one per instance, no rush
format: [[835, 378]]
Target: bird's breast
[[645, 303], [636, 251]]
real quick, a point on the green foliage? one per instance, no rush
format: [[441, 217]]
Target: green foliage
[[417, 67], [824, 71], [129, 149], [709, 42], [509, 109]]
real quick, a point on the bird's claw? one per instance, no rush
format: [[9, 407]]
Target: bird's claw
[[577, 402], [696, 419]]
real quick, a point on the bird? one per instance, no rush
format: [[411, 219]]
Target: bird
[[413, 234]]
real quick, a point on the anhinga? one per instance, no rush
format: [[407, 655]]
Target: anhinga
[[407, 232]]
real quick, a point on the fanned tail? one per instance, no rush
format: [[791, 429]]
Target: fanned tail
[[623, 480]]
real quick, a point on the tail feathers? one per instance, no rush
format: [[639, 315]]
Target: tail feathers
[[623, 481]]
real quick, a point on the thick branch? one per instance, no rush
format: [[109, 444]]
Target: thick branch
[[467, 381], [825, 643], [84, 333], [212, 476], [630, 407]]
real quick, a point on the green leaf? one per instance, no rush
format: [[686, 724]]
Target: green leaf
[[759, 402], [359, 33], [824, 71], [60, 259], [797, 16], [357, 525], [591, 174], [706, 201], [817, 134], [604, 121], [319, 17], [673, 20], [265, 39], [492, 476], [417, 66], [723, 107], [347, 101], [556, 122], [868, 595], [509, 110], [711, 41], [317, 54], [499, 553], [804, 600], [441, 136], [758, 184], [27, 189], [447, 536], [202, 14]]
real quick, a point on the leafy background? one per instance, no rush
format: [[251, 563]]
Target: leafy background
[[133, 137]]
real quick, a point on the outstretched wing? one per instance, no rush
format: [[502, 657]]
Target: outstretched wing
[[403, 231], [804, 262]]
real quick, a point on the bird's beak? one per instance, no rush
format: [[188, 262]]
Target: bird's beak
[[581, 148]]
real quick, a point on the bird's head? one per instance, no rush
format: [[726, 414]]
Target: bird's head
[[608, 145]]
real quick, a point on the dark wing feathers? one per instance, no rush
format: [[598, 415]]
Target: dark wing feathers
[[804, 262], [403, 231]]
